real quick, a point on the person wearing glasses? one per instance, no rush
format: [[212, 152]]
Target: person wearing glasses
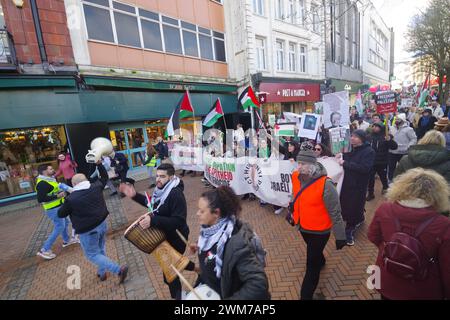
[[321, 151]]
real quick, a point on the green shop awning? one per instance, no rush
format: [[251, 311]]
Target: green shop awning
[[98, 81], [10, 82]]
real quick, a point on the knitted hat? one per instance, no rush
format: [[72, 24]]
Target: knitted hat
[[306, 156], [360, 134]]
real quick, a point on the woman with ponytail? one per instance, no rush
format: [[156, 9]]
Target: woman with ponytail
[[227, 258]]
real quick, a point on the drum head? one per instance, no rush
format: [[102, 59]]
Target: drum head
[[205, 292]]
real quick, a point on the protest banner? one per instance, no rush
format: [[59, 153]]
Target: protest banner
[[336, 110], [253, 175], [309, 126], [340, 140]]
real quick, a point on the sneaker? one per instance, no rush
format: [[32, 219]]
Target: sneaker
[[71, 241], [370, 197], [103, 277], [350, 237], [123, 274], [279, 211], [47, 255]]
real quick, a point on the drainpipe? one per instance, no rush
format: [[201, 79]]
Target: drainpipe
[[37, 26]]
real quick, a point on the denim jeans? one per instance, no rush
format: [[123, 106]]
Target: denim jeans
[[93, 244], [60, 227]]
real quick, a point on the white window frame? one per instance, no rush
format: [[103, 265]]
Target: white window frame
[[280, 54], [303, 60], [258, 7], [261, 53], [301, 12], [111, 10], [315, 18], [291, 11], [292, 57], [279, 10]]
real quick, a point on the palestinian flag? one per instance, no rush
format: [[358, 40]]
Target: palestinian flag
[[424, 91], [184, 109], [285, 129], [247, 99], [214, 114]]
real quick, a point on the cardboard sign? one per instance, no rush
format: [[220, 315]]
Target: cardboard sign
[[386, 102]]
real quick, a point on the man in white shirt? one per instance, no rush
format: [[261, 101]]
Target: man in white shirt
[[436, 108]]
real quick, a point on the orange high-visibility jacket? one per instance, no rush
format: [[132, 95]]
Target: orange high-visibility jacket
[[309, 209]]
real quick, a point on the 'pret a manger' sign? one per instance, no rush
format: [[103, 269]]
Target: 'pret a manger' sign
[[290, 92]]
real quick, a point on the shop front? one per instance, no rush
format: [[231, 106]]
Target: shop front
[[22, 151], [42, 116], [288, 97], [132, 138]]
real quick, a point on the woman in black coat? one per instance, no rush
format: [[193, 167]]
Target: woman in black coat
[[230, 262], [357, 167]]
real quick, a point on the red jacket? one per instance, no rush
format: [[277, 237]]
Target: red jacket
[[436, 241]]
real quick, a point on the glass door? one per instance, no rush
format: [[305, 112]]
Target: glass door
[[131, 142], [137, 141]]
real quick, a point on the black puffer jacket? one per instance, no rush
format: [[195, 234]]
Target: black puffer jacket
[[381, 146], [243, 276]]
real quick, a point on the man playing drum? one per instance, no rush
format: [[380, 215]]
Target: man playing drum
[[169, 211]]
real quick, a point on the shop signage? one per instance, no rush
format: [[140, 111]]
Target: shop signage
[[291, 92], [386, 101]]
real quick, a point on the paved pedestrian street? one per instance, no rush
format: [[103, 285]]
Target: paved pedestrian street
[[23, 275]]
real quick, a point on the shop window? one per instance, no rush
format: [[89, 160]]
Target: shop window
[[98, 22], [22, 151]]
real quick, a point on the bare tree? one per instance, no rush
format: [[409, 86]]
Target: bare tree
[[429, 38]]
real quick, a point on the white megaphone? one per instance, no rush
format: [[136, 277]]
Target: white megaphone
[[99, 147]]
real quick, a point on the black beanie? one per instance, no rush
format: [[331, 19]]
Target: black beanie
[[360, 134]]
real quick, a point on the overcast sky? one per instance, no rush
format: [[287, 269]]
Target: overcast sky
[[397, 14]]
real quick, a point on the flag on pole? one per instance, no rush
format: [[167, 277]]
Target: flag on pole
[[358, 103], [214, 114], [424, 91], [285, 129], [184, 109], [248, 99]]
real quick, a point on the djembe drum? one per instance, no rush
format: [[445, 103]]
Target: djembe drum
[[153, 241]]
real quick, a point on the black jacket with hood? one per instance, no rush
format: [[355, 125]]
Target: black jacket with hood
[[381, 146]]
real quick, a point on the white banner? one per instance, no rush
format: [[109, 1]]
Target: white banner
[[257, 176]]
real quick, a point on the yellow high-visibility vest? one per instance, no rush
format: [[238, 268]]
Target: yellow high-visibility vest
[[54, 203]]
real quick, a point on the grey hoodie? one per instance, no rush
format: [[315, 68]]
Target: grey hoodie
[[331, 200], [405, 138]]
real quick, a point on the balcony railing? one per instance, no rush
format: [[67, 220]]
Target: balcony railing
[[7, 52]]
